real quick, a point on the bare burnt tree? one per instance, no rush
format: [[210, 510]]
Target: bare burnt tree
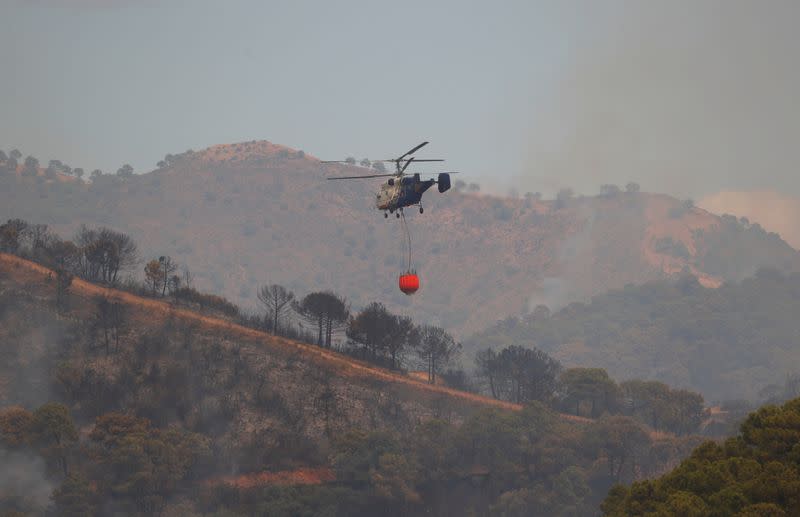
[[402, 334], [118, 321], [105, 254], [327, 403], [126, 171], [369, 328], [187, 278], [63, 283], [488, 367], [277, 302], [327, 311], [168, 268], [38, 236], [519, 374], [63, 255], [11, 165], [12, 235], [102, 322], [152, 275], [312, 309], [31, 166], [53, 166], [336, 317], [384, 335], [175, 286], [533, 373], [110, 319], [436, 348]]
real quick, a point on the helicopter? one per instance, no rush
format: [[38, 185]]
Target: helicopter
[[402, 190]]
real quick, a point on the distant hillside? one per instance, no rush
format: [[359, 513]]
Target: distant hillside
[[245, 214], [726, 343], [774, 211]]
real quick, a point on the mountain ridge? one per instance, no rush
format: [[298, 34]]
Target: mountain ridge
[[251, 213]]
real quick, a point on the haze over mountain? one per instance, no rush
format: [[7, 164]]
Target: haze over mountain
[[685, 97], [245, 214], [775, 211], [729, 343], [613, 278]]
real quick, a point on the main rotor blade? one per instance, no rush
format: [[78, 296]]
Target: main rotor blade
[[361, 177], [406, 165], [395, 160], [414, 150]]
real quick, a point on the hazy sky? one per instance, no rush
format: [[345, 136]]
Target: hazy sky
[[684, 97]]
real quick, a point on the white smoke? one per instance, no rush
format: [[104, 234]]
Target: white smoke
[[23, 479], [684, 97]]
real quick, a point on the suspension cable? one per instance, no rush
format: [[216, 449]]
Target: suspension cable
[[407, 239]]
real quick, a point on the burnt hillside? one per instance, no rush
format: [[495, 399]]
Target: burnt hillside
[[157, 407]]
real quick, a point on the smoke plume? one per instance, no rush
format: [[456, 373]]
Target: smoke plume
[[687, 98]]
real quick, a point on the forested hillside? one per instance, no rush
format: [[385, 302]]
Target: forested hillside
[[253, 213], [756, 473], [727, 343], [112, 402]]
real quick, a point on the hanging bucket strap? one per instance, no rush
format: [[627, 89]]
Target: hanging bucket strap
[[406, 239]]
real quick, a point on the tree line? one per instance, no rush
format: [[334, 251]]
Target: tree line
[[10, 164], [519, 374], [373, 334]]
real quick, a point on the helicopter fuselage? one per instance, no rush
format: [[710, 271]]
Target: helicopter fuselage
[[403, 191]]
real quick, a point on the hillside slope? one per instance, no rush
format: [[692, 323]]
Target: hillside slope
[[245, 214], [152, 313], [727, 343], [753, 474], [774, 211], [189, 413]]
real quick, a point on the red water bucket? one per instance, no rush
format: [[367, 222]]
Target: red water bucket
[[409, 283]]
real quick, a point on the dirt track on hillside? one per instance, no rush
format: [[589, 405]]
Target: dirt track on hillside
[[303, 476]]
